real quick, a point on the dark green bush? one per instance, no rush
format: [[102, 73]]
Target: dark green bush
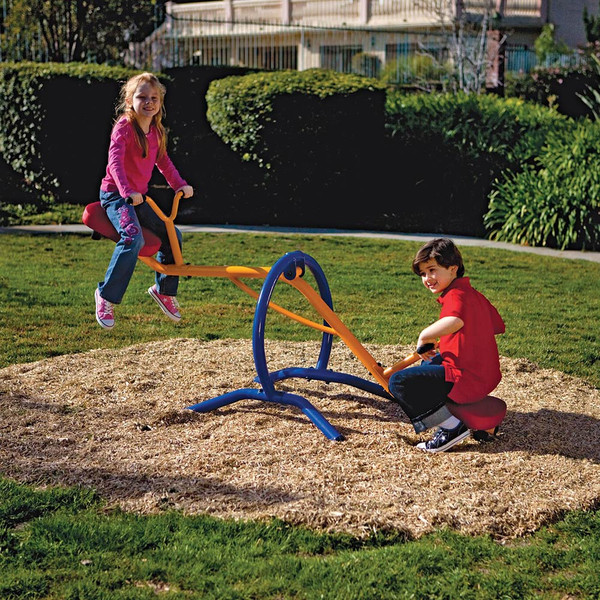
[[419, 70], [591, 95], [55, 122], [310, 148], [223, 181], [509, 130], [316, 134], [558, 87], [240, 108], [366, 64], [447, 150], [556, 201]]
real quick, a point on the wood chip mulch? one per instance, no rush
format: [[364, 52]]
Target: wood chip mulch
[[116, 420]]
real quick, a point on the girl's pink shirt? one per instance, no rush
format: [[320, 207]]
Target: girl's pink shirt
[[127, 172]]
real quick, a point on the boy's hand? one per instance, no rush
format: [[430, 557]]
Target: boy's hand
[[426, 350], [423, 348], [187, 190]]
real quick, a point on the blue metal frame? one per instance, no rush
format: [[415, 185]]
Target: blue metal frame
[[288, 266]]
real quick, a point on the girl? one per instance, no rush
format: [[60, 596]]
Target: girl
[[137, 143]]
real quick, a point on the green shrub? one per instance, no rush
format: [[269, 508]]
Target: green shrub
[[509, 130], [555, 202], [547, 45], [240, 108], [591, 95], [417, 69], [366, 64], [556, 87], [55, 122], [314, 135], [448, 149]]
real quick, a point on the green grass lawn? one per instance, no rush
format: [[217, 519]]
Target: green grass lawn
[[63, 544], [59, 544], [47, 284]]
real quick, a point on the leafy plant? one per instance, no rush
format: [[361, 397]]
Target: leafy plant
[[241, 108], [554, 202], [422, 70], [591, 24], [591, 96], [366, 64], [546, 45]]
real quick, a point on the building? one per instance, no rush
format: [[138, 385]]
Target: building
[[363, 36]]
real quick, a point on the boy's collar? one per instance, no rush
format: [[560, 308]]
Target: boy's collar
[[461, 283]]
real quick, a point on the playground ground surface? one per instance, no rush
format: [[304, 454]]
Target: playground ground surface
[[130, 436], [110, 420]]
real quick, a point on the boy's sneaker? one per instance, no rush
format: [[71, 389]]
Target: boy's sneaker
[[485, 435], [104, 311], [168, 304], [444, 439]]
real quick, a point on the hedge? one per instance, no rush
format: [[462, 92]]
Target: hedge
[[448, 150], [243, 111], [313, 148], [55, 122], [316, 135]]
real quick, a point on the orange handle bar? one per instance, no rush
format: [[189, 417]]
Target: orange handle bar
[[401, 364]]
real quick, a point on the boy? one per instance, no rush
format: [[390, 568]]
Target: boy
[[467, 367]]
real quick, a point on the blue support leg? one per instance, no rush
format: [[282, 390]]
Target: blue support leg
[[330, 376], [281, 397], [288, 266]]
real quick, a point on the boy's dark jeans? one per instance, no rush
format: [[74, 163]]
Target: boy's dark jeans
[[422, 392]]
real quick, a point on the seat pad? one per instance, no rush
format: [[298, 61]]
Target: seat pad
[[94, 216], [484, 414]]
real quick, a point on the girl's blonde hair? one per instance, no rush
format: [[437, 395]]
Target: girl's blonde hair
[[126, 108]]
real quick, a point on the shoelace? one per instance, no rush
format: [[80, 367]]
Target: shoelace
[[440, 432], [170, 301], [105, 310]]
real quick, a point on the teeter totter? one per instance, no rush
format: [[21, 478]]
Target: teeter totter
[[483, 416]]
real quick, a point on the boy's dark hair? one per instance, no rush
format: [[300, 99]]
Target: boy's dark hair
[[443, 251]]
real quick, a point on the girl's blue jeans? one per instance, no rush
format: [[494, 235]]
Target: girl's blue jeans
[[128, 221], [422, 392]]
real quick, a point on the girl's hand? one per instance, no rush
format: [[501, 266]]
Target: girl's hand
[[188, 191], [136, 199]]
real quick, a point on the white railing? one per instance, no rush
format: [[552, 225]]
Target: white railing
[[507, 8], [397, 13], [345, 35]]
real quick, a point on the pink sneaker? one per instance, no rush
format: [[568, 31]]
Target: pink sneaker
[[104, 311], [168, 304]]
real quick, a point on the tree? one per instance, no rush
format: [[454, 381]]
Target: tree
[[467, 38], [546, 46], [592, 25], [77, 30]]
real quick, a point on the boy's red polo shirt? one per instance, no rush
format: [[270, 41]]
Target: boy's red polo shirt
[[470, 356]]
